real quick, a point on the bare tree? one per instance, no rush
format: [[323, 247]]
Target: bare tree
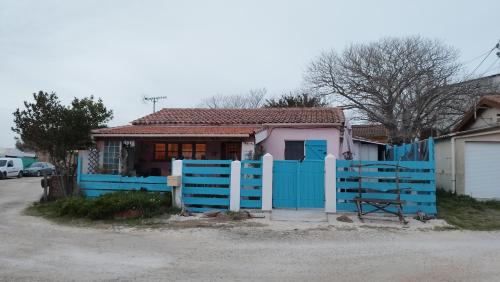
[[254, 98], [298, 99], [402, 83]]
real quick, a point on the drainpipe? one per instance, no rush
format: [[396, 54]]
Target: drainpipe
[[453, 177]]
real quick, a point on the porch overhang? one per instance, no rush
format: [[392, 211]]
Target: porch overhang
[[170, 135], [157, 131]]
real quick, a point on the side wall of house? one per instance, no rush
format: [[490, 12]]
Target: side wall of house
[[460, 156], [275, 142], [365, 151], [487, 118], [443, 164]]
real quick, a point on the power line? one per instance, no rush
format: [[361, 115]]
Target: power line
[[484, 59], [491, 66], [475, 58]]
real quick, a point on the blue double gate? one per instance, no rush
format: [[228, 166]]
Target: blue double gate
[[299, 184]]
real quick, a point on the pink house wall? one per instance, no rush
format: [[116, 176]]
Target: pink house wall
[[275, 142]]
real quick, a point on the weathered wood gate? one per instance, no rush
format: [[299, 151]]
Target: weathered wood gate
[[299, 184]]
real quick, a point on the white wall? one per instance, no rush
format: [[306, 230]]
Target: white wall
[[442, 155], [487, 118], [365, 151]]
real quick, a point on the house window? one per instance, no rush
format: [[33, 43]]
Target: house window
[[164, 151], [160, 150], [232, 151], [173, 151], [187, 151], [111, 157], [498, 118], [201, 152], [294, 150]]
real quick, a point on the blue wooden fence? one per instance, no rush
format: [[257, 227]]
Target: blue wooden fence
[[416, 178], [251, 185], [205, 184], [94, 185]]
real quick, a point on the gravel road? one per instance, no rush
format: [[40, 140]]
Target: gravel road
[[34, 249]]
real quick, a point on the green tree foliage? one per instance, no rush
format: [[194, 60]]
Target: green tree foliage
[[302, 100], [48, 126]]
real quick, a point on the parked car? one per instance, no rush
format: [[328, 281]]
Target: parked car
[[39, 169], [11, 167]]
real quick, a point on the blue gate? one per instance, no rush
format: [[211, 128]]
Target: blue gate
[[299, 184]]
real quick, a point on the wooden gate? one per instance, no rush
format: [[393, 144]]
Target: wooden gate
[[299, 184]]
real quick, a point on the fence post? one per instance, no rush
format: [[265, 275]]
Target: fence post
[[234, 189], [177, 190], [330, 184], [78, 171], [267, 182]]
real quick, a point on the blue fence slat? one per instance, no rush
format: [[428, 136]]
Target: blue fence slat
[[101, 177], [251, 182], [205, 191], [205, 209], [258, 162], [386, 186], [251, 192], [206, 201], [251, 204], [206, 170], [124, 186], [206, 180], [404, 176], [251, 170], [404, 197], [386, 164]]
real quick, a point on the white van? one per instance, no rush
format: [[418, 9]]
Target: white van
[[11, 167]]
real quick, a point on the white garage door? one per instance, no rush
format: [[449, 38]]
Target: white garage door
[[482, 169]]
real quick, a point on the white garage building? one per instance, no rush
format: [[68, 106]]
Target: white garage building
[[468, 161]]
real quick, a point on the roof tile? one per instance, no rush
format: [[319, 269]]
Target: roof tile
[[197, 116]]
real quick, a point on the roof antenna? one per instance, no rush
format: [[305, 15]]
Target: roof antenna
[[154, 100]]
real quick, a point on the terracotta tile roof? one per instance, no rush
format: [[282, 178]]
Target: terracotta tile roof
[[376, 132], [242, 116], [492, 101], [176, 130]]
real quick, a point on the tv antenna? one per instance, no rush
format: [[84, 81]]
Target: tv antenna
[[154, 100]]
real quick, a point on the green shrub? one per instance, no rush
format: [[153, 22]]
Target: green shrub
[[107, 206]]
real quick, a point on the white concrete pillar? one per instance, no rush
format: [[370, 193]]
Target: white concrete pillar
[[235, 188], [330, 184], [177, 191], [267, 182]]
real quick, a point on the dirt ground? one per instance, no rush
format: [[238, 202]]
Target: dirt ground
[[34, 249]]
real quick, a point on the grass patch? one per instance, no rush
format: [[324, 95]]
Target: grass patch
[[465, 212], [127, 205]]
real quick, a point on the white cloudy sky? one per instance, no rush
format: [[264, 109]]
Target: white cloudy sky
[[188, 50]]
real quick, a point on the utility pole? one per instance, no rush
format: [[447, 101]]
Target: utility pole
[[154, 100]]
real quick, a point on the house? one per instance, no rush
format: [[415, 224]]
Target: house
[[369, 141], [468, 159], [148, 144]]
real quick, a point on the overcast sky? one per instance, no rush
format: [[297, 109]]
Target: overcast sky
[[188, 50]]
